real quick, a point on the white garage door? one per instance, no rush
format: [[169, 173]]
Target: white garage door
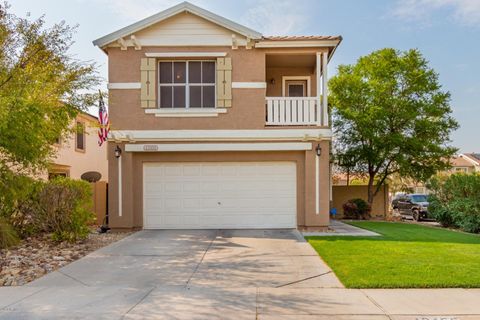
[[219, 195]]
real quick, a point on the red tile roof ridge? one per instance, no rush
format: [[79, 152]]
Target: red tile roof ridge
[[289, 38]]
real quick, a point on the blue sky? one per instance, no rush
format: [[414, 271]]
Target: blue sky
[[447, 32]]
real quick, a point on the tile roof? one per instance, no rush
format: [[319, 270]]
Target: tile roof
[[476, 155], [473, 156], [299, 38]]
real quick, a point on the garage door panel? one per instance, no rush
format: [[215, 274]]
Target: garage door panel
[[192, 186], [210, 170], [191, 170], [153, 204], [172, 171], [220, 195]]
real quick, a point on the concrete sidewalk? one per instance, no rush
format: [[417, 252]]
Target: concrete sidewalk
[[218, 274], [191, 302], [339, 228]]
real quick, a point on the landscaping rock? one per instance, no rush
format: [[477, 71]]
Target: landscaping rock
[[36, 256]]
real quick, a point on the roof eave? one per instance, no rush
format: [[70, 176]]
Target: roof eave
[[182, 7], [298, 43], [340, 39], [470, 158]]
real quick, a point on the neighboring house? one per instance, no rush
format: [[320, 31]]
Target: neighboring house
[[215, 125], [466, 162], [79, 152], [462, 163]]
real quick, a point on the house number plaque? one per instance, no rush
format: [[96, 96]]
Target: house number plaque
[[150, 147]]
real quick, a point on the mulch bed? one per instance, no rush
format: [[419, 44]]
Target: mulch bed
[[39, 255]]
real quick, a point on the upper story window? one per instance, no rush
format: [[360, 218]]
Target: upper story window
[[80, 136], [187, 84]]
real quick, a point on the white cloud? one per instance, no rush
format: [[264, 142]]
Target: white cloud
[[275, 17], [466, 12]]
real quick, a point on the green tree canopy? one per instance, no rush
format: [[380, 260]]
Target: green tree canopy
[[390, 115], [42, 88]]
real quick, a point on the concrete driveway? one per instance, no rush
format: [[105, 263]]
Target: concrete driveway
[[212, 274]]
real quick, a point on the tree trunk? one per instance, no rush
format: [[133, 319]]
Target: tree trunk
[[371, 191]]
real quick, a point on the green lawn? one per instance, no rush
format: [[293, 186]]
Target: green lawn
[[405, 256]]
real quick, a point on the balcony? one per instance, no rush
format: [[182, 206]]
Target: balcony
[[295, 111], [296, 92]]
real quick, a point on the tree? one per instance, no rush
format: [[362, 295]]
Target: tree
[[390, 116], [42, 88]]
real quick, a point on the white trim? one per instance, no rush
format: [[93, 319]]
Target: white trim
[[296, 43], [135, 42], [325, 88], [293, 78], [186, 112], [319, 83], [220, 135], [204, 147], [466, 157], [122, 43], [182, 7], [120, 183], [249, 85], [330, 182], [124, 85], [185, 54], [317, 185]]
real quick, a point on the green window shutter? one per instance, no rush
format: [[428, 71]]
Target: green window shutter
[[224, 82], [148, 69]]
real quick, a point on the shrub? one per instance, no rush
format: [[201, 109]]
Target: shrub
[[8, 236], [455, 201], [61, 207], [14, 188], [356, 209]]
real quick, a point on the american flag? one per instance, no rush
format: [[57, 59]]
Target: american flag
[[103, 121]]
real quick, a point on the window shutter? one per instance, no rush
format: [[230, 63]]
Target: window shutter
[[224, 82], [148, 67]]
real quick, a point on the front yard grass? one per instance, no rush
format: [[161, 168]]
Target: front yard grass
[[404, 256]]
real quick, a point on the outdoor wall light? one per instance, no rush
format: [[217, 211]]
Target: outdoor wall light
[[318, 150], [272, 81], [118, 152]]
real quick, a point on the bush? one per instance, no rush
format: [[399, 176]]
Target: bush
[[356, 209], [455, 201], [14, 189], [61, 207], [8, 236]]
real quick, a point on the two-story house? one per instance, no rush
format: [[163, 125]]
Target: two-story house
[[215, 125], [79, 152]]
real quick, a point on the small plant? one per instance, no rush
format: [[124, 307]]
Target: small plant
[[356, 209], [8, 236]]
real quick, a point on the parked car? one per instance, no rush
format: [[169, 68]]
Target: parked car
[[411, 205]]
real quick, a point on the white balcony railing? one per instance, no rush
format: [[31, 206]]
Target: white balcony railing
[[295, 111]]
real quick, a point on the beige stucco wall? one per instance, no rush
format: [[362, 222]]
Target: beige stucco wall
[[341, 194], [94, 158], [132, 178], [276, 73], [248, 109]]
